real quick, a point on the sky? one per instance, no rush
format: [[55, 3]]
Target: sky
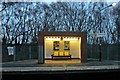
[[59, 0], [53, 1]]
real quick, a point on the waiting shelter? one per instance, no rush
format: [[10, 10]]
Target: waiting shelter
[[62, 45]]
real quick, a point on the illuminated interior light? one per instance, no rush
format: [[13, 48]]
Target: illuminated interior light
[[70, 38], [52, 38]]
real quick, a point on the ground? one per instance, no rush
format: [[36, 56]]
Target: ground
[[32, 65], [66, 70]]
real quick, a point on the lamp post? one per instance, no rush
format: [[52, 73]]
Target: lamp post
[[100, 44]]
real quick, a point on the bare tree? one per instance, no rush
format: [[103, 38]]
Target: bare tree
[[22, 21]]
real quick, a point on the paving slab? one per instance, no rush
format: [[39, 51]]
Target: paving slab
[[32, 65]]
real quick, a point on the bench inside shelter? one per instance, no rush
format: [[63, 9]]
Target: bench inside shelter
[[61, 55]]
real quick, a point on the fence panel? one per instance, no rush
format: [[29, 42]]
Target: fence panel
[[26, 52], [109, 52]]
